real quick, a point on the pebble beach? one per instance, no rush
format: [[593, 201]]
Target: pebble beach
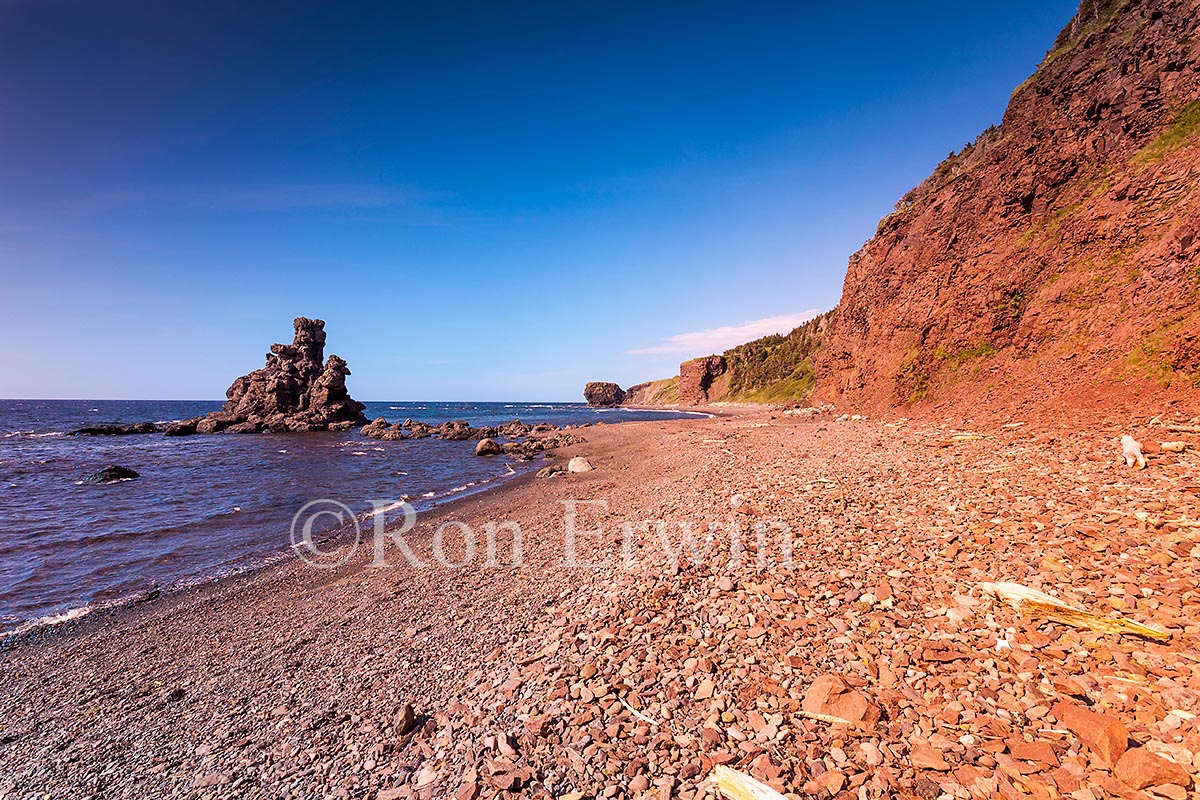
[[862, 656]]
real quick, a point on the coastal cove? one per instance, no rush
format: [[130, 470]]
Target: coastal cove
[[295, 682], [886, 317], [209, 506]]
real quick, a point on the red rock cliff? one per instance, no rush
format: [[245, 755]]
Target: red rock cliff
[[697, 378], [1061, 249]]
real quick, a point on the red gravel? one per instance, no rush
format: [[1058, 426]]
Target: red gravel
[[634, 680]]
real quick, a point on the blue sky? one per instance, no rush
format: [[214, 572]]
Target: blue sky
[[485, 200]]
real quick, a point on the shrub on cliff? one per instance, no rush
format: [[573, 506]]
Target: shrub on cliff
[[777, 367]]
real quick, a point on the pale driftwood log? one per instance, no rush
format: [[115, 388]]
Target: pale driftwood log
[[1183, 428], [1040, 604], [735, 785], [1131, 451], [638, 714], [830, 718]]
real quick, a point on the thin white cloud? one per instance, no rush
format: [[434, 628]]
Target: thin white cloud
[[716, 340]]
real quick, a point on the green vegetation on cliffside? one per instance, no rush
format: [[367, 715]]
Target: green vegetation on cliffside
[[776, 368]]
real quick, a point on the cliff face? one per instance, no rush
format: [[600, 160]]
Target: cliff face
[[1061, 249], [653, 393], [703, 380]]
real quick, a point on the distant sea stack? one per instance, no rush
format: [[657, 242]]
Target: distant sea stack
[[603, 395], [298, 390], [651, 394]]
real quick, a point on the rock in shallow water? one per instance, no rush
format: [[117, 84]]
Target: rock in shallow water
[[113, 473], [116, 430], [488, 447]]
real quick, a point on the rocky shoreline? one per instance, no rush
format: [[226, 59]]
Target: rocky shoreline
[[874, 664]]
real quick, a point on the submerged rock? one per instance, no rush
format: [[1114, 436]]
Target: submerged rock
[[523, 441], [116, 430], [113, 473]]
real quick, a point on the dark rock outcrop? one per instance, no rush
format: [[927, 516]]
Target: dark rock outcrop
[[603, 395], [521, 440], [116, 430], [696, 379], [185, 428], [298, 390], [113, 473]]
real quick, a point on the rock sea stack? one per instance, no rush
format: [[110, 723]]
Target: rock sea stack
[[298, 390], [603, 395]]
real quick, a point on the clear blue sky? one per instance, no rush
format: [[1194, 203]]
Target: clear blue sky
[[492, 200]]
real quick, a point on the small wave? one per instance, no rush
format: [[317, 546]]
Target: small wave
[[50, 620], [398, 504], [106, 483], [358, 453]]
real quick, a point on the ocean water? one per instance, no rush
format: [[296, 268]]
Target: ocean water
[[206, 506]]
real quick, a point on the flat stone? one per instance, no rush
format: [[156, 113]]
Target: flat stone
[[1039, 751], [1104, 735], [922, 756], [829, 694], [1140, 768]]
